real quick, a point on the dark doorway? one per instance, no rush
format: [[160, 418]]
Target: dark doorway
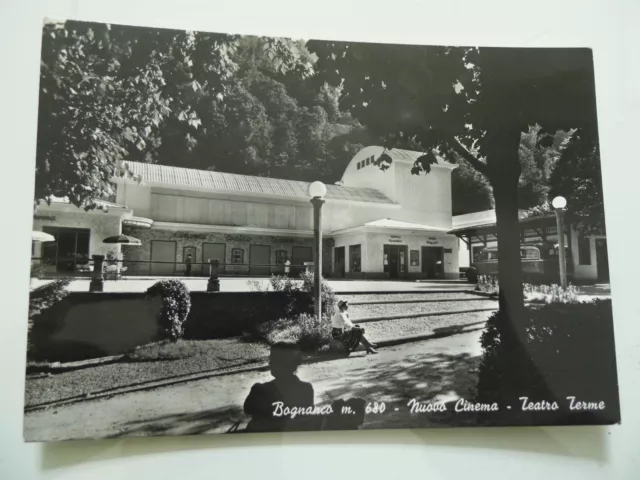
[[299, 255], [432, 262], [602, 260], [213, 251], [70, 249], [339, 261], [185, 253], [163, 257], [395, 260], [259, 260]]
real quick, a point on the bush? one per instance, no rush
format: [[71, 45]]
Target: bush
[[41, 325], [297, 304], [487, 284], [563, 349], [550, 293], [328, 297], [532, 293], [37, 270], [472, 275], [305, 331], [46, 296], [176, 303]]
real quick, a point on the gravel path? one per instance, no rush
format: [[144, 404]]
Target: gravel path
[[368, 297], [373, 310], [387, 329], [225, 353]]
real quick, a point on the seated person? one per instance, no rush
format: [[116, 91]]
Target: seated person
[[344, 330]]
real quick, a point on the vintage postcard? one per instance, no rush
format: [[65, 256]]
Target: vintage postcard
[[237, 234]]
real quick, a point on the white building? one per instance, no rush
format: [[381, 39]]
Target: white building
[[376, 224]]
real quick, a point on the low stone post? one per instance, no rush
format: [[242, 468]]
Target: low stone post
[[213, 284], [97, 279]]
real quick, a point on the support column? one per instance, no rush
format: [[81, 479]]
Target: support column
[[317, 203], [97, 279], [213, 284]]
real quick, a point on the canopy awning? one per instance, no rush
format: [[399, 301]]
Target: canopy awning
[[139, 222], [490, 228]]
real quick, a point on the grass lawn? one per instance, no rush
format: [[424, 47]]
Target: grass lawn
[[151, 362]]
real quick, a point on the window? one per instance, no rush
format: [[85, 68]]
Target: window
[[584, 250], [281, 257], [414, 258], [355, 258], [402, 261], [237, 256], [70, 249], [368, 160], [530, 253], [359, 165]]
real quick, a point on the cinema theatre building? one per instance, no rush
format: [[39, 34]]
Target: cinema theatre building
[[376, 224]]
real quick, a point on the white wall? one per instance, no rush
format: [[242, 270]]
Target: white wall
[[585, 272], [424, 199], [375, 246], [101, 225], [184, 206], [370, 176], [345, 240]]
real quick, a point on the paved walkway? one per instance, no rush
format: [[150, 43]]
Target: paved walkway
[[442, 369], [243, 284]]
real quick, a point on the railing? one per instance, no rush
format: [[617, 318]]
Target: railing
[[74, 267]]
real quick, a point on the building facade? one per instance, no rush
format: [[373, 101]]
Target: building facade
[[587, 259], [376, 224]]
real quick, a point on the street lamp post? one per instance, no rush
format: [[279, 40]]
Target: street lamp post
[[559, 204], [317, 191]]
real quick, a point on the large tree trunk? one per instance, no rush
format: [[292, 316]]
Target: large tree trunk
[[505, 190]]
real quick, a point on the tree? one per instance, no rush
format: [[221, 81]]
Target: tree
[[577, 176], [539, 154], [470, 191], [104, 92], [469, 104]]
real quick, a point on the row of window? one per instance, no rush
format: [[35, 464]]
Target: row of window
[[237, 256], [365, 162]]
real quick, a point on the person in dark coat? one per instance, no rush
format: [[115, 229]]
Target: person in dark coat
[[188, 261], [287, 388]]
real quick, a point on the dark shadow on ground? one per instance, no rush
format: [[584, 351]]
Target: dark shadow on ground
[[207, 421], [423, 377]]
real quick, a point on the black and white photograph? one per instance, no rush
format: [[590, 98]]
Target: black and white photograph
[[241, 234]]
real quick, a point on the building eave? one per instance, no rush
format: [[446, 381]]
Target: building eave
[[196, 227], [391, 230], [254, 195], [112, 210]]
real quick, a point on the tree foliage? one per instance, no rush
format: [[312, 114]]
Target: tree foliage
[[467, 104], [104, 92], [539, 154], [577, 177], [248, 105]]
